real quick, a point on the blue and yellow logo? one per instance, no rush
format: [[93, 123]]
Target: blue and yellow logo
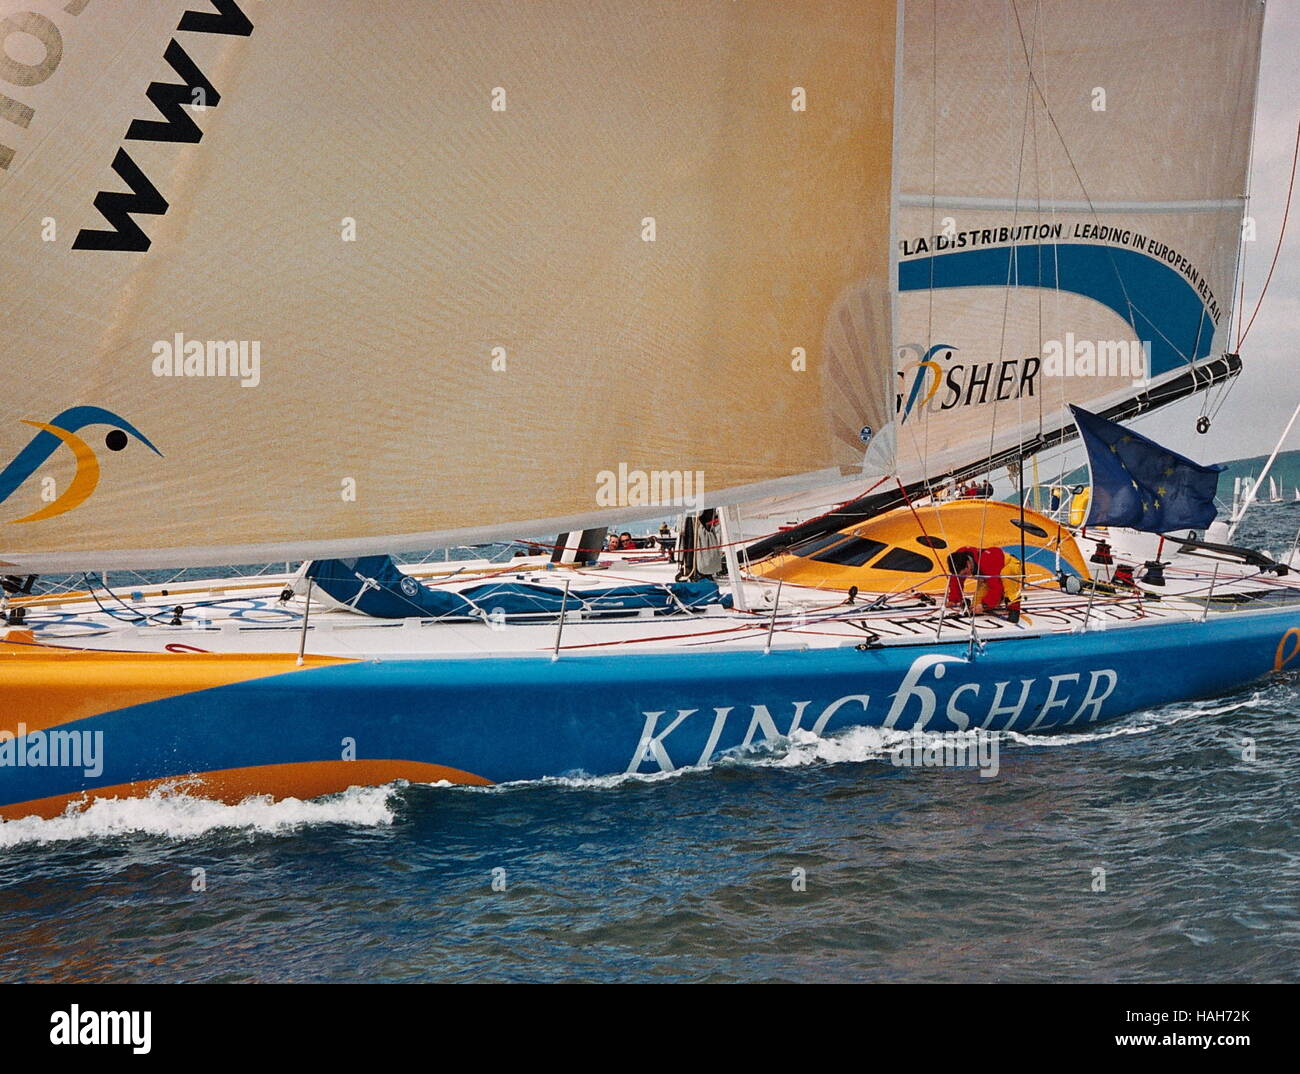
[[63, 430], [929, 375]]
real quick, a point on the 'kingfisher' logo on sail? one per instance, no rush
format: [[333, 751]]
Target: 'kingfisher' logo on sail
[[962, 383], [62, 431]]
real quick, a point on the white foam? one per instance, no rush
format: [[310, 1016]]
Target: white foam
[[176, 815], [853, 744], [572, 782], [1153, 720], [1067, 738]]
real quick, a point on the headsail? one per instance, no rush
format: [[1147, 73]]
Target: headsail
[[1071, 194], [383, 275]]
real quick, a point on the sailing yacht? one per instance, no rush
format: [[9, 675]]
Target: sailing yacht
[[320, 288]]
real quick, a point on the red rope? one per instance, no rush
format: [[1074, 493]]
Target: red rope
[[908, 500]]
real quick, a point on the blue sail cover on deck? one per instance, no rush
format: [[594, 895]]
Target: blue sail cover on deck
[[373, 585], [1141, 485]]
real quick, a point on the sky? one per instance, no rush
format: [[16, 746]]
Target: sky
[[1268, 389]]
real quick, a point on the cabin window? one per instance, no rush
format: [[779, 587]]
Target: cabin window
[[903, 559], [1029, 527], [926, 541], [852, 553], [815, 544]]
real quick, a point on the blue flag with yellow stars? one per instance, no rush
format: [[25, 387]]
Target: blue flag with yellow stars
[[1141, 485]]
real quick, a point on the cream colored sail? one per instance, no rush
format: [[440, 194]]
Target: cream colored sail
[[486, 268], [1071, 181]]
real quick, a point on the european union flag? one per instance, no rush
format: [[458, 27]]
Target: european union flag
[[1141, 485]]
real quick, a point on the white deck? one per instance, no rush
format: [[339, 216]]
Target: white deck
[[247, 615]]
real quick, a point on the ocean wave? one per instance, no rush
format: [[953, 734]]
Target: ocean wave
[[180, 816]]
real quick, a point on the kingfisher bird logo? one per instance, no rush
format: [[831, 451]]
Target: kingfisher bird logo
[[929, 375], [63, 430]]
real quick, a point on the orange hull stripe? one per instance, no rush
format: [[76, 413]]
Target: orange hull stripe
[[307, 779], [46, 687]]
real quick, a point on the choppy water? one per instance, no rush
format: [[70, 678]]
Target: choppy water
[[911, 874]]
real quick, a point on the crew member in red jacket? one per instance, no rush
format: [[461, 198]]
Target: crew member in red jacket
[[997, 580]]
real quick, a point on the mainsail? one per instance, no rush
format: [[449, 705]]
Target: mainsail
[[288, 279], [1071, 190]]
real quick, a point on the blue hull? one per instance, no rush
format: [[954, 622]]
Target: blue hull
[[502, 719]]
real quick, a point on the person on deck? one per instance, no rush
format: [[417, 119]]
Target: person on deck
[[997, 575]]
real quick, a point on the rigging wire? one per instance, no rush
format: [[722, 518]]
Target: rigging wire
[[1277, 250], [1119, 277]]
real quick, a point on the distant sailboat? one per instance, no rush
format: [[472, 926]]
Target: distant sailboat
[[430, 274]]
